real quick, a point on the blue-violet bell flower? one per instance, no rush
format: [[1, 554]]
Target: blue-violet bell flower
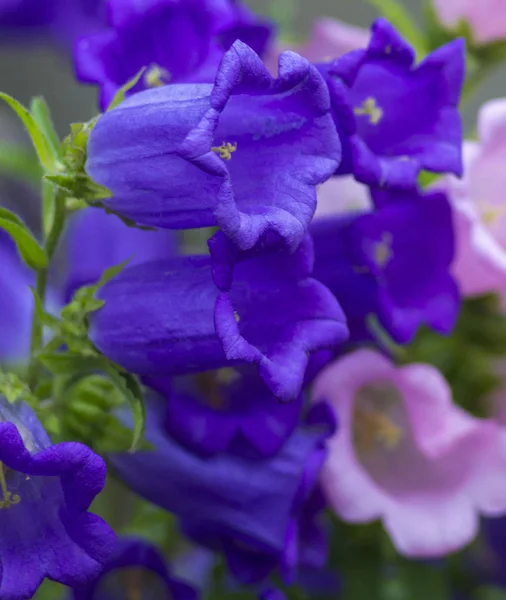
[[406, 115], [171, 317], [46, 491], [176, 41], [245, 154], [393, 263], [136, 569], [261, 514], [95, 241], [227, 410]]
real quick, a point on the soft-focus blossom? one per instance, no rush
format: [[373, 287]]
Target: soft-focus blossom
[[170, 317], [176, 41], [480, 207], [342, 195], [61, 20], [96, 241], [16, 303], [46, 491], [262, 514], [393, 263], [487, 18], [407, 455], [245, 154], [136, 569], [406, 115], [230, 409]]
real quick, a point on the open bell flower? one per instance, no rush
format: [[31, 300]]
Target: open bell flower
[[407, 455], [262, 514], [46, 491], [194, 313], [479, 207], [245, 154], [389, 144]]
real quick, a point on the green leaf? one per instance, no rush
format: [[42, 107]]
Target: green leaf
[[20, 162], [43, 148], [28, 247], [42, 116], [44, 317], [397, 14], [121, 93]]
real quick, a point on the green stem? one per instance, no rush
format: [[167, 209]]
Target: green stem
[[51, 243]]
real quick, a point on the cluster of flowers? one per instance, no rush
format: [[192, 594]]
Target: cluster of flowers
[[262, 405]]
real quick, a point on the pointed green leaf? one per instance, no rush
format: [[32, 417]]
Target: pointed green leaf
[[42, 115], [397, 14], [43, 148], [28, 247], [121, 93]]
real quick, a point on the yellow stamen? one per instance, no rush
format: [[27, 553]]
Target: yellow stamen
[[383, 253], [225, 150], [237, 317], [371, 426], [156, 76], [370, 108], [491, 213], [8, 498]]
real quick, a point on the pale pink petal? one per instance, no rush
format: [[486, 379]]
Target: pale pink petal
[[330, 39], [341, 195], [492, 122], [487, 18]]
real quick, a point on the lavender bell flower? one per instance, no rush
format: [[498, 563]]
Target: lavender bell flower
[[393, 263], [46, 491], [136, 566], [96, 241], [261, 514], [390, 143], [170, 317], [227, 410], [177, 41], [245, 154]]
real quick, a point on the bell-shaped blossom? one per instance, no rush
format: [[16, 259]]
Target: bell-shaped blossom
[[407, 455], [480, 207], [389, 143], [46, 491], [487, 19], [136, 569], [262, 514], [176, 41], [16, 303], [245, 154], [170, 317], [229, 409], [393, 263], [96, 241]]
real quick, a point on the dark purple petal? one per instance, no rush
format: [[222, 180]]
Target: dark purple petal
[[154, 152], [45, 522]]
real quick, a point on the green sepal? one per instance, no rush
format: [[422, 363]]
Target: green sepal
[[48, 159], [44, 317], [78, 186], [28, 247], [120, 95], [397, 14]]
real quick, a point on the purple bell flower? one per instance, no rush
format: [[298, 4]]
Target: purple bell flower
[[245, 154], [46, 491], [260, 514], [227, 410], [96, 241], [406, 116], [393, 263], [136, 567], [178, 41], [169, 317]]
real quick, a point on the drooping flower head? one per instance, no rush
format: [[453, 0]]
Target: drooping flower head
[[46, 491], [260, 513], [480, 207], [182, 40], [136, 567], [393, 263], [390, 144], [194, 313], [245, 154], [229, 409], [407, 455], [96, 241]]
